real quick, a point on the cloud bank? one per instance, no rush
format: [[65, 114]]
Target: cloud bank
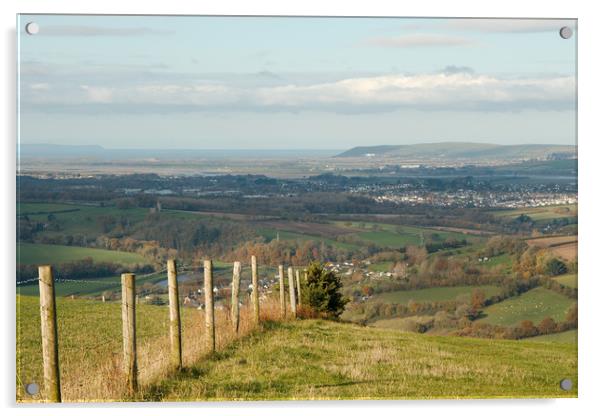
[[456, 88]]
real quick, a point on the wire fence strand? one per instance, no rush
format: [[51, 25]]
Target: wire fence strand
[[59, 279]]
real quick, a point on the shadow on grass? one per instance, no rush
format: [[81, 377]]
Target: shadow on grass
[[158, 391]]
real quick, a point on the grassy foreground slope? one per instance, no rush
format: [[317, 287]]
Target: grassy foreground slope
[[308, 360], [89, 345]]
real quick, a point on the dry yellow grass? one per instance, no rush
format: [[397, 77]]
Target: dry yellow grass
[[90, 345]]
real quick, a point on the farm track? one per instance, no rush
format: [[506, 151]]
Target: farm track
[[552, 241], [468, 231]]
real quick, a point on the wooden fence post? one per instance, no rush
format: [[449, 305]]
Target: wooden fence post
[[298, 278], [209, 312], [128, 317], [255, 294], [291, 291], [175, 327], [282, 300], [235, 291], [50, 345]]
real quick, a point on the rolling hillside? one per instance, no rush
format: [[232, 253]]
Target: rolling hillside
[[316, 360], [299, 360], [460, 150]]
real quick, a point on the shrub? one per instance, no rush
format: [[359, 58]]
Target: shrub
[[547, 326], [555, 267], [323, 291]]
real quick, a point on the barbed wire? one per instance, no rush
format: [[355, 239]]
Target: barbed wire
[[23, 282], [58, 279]]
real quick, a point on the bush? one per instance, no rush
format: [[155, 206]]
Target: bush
[[547, 326], [555, 267], [323, 291]]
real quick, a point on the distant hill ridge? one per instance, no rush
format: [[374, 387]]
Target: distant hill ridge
[[57, 151], [463, 150]]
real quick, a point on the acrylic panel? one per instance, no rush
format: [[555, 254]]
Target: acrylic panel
[[295, 208]]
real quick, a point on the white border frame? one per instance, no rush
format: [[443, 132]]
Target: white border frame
[[589, 164]]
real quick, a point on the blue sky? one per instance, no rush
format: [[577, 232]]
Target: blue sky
[[333, 83]]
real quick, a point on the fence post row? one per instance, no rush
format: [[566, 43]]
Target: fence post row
[[128, 317], [50, 345], [291, 291], [175, 327], [297, 276], [209, 312], [235, 290], [255, 294], [282, 299]]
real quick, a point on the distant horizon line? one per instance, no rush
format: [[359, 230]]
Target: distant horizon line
[[290, 148]]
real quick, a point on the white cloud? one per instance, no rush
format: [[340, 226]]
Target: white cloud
[[420, 40], [430, 91], [460, 89], [98, 94]]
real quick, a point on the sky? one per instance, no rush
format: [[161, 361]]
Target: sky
[[193, 82]]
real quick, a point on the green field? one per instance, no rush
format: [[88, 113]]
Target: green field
[[383, 266], [83, 219], [28, 253], [27, 208], [389, 239], [569, 280], [433, 294], [390, 235], [503, 259], [533, 305], [540, 213], [566, 337], [271, 234], [310, 360]]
